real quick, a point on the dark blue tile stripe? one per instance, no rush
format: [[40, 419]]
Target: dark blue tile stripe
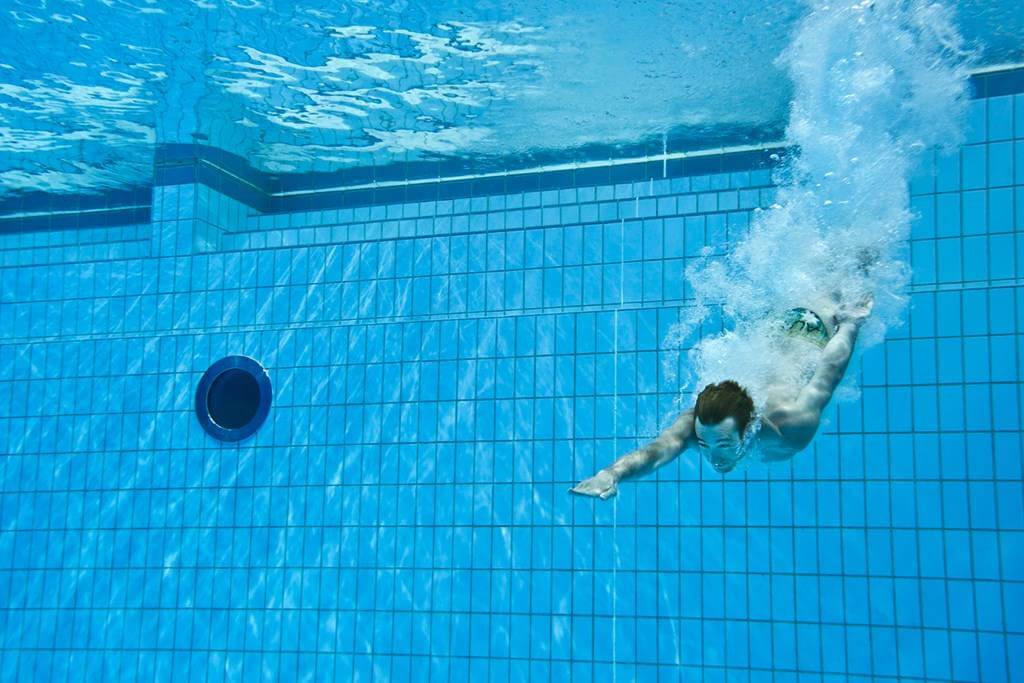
[[65, 221], [240, 190], [996, 84], [177, 154], [45, 201], [550, 180]]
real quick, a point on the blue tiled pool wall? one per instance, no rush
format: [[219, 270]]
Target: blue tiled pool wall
[[443, 371], [539, 251]]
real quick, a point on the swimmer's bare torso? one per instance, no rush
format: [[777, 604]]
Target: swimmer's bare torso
[[788, 422]]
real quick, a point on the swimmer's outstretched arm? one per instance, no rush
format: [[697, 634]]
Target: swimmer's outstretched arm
[[665, 448]]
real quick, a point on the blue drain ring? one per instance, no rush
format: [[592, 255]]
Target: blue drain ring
[[257, 373]]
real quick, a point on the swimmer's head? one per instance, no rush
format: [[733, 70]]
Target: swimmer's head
[[722, 414]]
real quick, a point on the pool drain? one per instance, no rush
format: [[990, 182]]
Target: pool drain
[[233, 398]]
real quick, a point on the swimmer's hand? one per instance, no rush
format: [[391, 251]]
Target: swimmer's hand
[[855, 313], [602, 485]]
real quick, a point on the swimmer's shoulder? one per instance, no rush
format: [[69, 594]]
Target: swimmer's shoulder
[[796, 426]]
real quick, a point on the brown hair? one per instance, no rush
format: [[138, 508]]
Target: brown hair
[[725, 399]]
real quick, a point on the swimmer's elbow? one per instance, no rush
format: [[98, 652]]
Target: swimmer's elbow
[[672, 441], [814, 398]]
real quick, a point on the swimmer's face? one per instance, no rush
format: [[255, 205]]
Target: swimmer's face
[[720, 444]]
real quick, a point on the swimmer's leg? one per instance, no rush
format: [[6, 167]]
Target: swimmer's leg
[[832, 307], [866, 258]]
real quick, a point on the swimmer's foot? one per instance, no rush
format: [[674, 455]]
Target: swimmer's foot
[[602, 485], [866, 257]]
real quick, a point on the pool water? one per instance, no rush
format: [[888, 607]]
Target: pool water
[[451, 347]]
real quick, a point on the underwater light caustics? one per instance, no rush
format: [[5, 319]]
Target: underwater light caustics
[[876, 86]]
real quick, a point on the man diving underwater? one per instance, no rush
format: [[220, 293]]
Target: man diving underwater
[[722, 422]]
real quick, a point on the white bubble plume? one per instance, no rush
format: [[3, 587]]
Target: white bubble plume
[[876, 84]]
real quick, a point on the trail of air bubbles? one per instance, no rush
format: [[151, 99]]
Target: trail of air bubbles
[[876, 85]]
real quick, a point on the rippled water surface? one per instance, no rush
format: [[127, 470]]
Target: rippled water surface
[[88, 88]]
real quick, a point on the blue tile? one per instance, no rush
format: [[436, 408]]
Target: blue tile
[[947, 171], [1000, 210], [977, 118], [974, 167], [1000, 118], [975, 212], [1000, 163]]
